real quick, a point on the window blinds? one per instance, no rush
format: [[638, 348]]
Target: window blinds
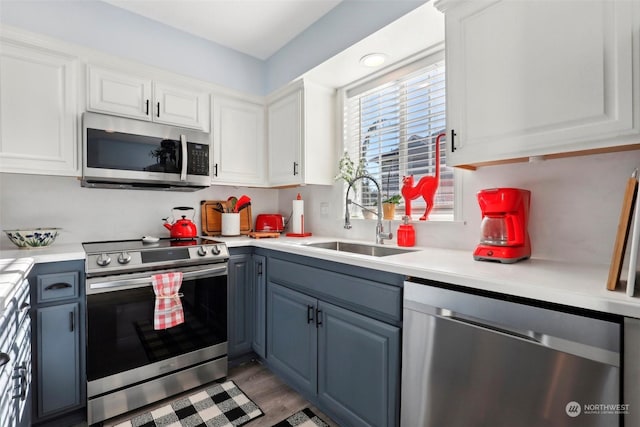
[[393, 127]]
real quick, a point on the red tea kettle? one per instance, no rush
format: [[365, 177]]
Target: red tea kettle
[[183, 228]]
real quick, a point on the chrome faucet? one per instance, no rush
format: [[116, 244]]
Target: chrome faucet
[[380, 234]]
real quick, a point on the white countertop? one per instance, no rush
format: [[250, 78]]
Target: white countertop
[[578, 285], [53, 253], [572, 284], [12, 272]]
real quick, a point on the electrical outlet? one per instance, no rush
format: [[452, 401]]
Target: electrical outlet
[[324, 209]]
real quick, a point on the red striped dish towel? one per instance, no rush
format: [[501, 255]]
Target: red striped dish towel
[[168, 312]]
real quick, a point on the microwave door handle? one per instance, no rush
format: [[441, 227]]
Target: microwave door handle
[[185, 157]]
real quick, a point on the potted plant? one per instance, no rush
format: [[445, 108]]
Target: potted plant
[[389, 206]]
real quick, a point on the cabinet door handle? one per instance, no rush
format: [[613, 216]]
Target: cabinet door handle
[[147, 112], [295, 168], [259, 269], [453, 141], [72, 321], [318, 318], [215, 170], [4, 359], [158, 109], [21, 370], [57, 286], [309, 314]]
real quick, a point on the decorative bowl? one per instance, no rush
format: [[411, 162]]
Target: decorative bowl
[[33, 238]]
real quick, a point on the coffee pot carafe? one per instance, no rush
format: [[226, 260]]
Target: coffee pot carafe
[[503, 230]]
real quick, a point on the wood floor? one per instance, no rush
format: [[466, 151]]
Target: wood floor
[[277, 400]]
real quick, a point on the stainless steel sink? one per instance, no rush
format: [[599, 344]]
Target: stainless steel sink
[[360, 248]]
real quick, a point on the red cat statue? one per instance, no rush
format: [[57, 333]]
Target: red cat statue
[[426, 187]]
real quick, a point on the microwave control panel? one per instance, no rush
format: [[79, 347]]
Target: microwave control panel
[[198, 159]]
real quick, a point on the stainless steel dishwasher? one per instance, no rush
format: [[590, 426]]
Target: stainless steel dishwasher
[[471, 360]]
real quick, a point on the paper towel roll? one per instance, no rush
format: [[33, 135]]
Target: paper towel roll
[[297, 219]]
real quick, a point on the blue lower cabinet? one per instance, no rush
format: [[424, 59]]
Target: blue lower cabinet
[[58, 358], [240, 313], [345, 362], [292, 343], [58, 343], [358, 367]]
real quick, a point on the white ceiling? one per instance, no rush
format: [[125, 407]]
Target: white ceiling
[[256, 27]]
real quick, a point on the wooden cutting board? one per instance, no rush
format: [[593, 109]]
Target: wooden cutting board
[[623, 233], [212, 219]]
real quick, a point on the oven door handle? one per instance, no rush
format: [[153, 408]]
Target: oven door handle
[[146, 281]]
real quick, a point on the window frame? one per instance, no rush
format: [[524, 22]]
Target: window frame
[[393, 72]]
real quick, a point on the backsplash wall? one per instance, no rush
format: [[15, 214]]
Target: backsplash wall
[[575, 207], [92, 214]]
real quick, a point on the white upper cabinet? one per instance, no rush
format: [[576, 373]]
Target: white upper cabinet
[[124, 94], [117, 93], [536, 78], [238, 142], [38, 114], [286, 140], [301, 142]]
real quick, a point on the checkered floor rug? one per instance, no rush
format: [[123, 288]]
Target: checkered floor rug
[[304, 418], [217, 406]]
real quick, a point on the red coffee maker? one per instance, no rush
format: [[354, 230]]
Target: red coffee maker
[[505, 216]]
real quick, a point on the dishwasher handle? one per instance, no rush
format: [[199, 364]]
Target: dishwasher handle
[[525, 335]]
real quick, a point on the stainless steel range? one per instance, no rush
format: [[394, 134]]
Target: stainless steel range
[[129, 363]]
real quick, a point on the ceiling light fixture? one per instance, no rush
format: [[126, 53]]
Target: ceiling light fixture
[[373, 59]]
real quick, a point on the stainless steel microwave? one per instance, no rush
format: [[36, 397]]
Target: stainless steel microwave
[[126, 153]]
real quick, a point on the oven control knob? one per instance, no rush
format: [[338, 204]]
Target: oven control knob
[[124, 258], [103, 260], [215, 250], [202, 251]]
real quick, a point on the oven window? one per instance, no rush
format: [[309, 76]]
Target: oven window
[[120, 326]]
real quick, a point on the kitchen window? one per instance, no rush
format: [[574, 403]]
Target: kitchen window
[[391, 124]]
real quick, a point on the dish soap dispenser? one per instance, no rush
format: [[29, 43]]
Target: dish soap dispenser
[[406, 233]]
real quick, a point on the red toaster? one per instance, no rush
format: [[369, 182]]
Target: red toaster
[[270, 222]]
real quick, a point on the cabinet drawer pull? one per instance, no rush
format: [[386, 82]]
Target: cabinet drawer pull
[[25, 306], [309, 314], [318, 318], [453, 141], [4, 359], [57, 286]]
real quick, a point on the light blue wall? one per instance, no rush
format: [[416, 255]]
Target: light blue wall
[[101, 26], [104, 27], [343, 26]]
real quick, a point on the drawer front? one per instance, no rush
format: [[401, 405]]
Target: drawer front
[[368, 297], [59, 286]]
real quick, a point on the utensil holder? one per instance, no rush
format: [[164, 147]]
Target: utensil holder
[[230, 224]]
